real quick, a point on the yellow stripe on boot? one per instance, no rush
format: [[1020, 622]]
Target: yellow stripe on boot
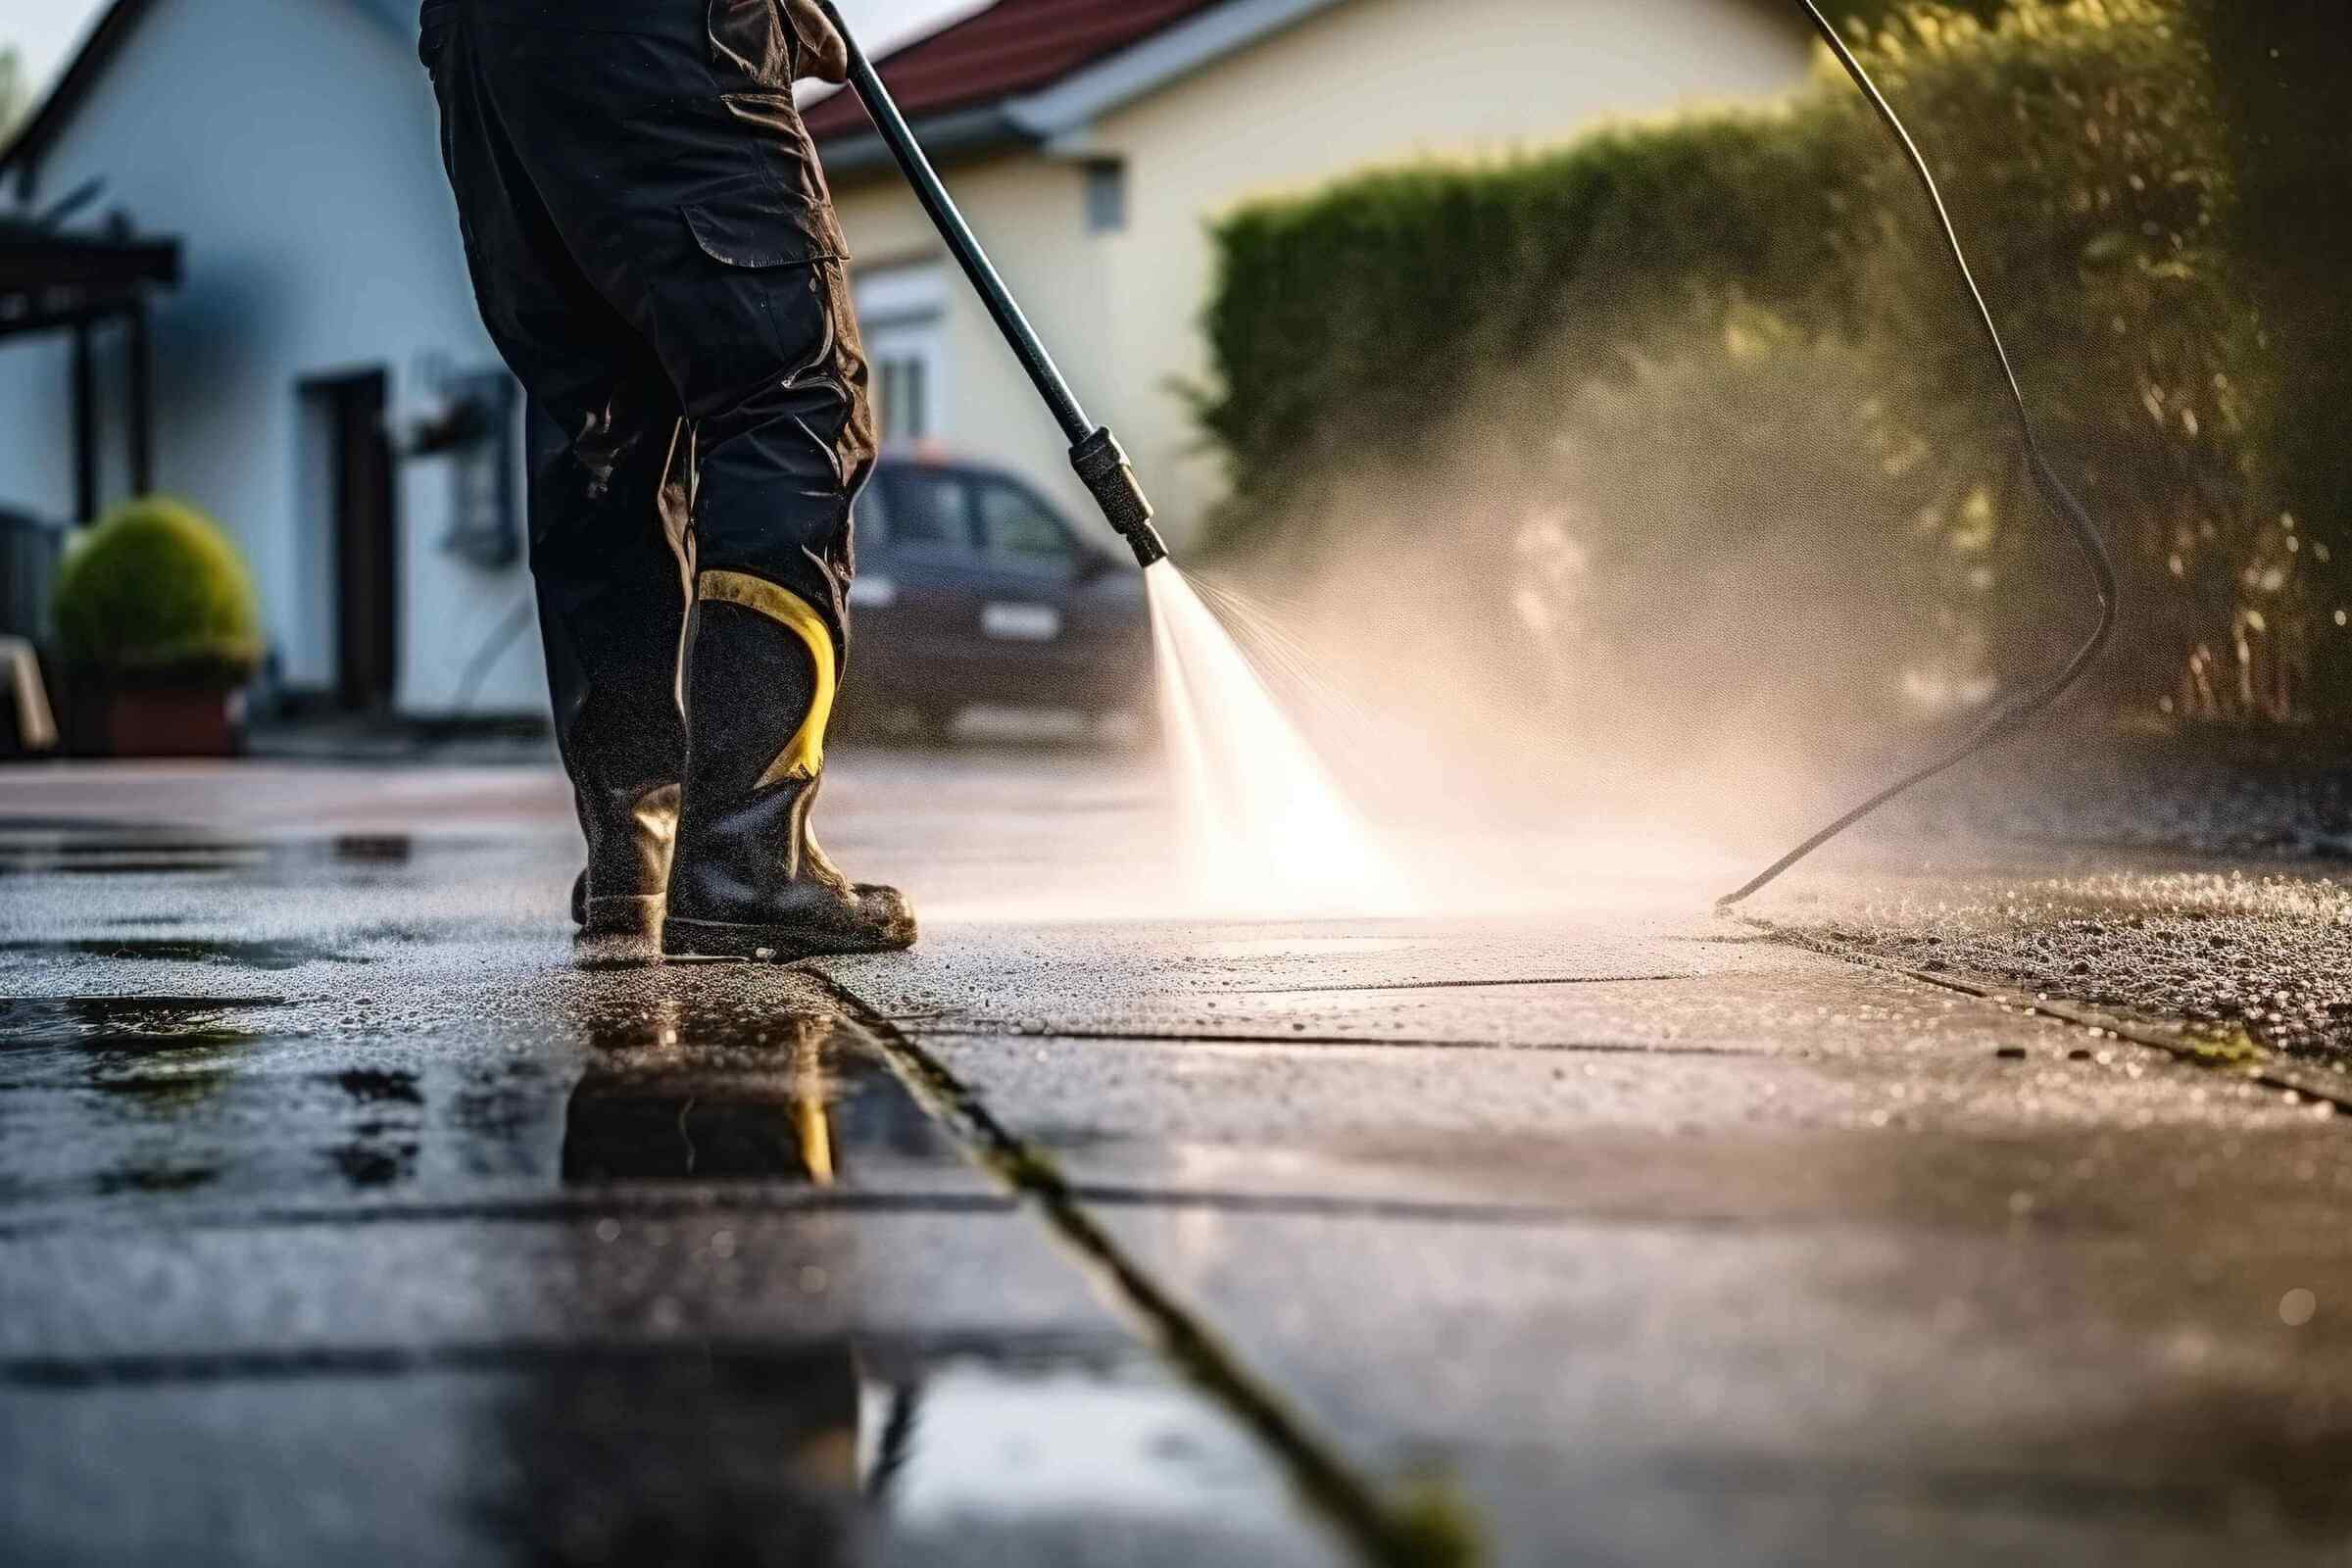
[[804, 754]]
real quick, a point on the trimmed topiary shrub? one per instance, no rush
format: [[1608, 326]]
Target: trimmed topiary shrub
[[155, 594]]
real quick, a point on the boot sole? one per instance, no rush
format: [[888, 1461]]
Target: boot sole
[[629, 916], [768, 944]]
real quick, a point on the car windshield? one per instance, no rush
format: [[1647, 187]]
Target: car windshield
[[1020, 531]]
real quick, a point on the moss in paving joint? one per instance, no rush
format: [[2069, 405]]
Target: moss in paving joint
[[2226, 1046], [1429, 1526]]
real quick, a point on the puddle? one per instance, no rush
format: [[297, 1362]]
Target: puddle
[[44, 846], [40, 848], [1002, 1440], [129, 865], [128, 1025], [714, 1086], [372, 849], [283, 954], [977, 1449], [823, 1454], [677, 1097], [155, 1179], [372, 1086]]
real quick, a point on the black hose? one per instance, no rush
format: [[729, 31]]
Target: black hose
[[2011, 716]]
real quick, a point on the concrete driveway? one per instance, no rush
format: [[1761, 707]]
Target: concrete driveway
[[349, 1212]]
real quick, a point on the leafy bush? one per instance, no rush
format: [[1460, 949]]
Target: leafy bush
[[2095, 176], [2276, 67], [157, 592]]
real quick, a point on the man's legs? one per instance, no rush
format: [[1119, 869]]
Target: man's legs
[[659, 137]]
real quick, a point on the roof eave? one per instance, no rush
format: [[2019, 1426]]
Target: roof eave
[[1144, 68], [1060, 114], [21, 157]]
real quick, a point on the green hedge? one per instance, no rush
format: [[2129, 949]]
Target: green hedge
[[156, 591], [1356, 317], [1403, 316]]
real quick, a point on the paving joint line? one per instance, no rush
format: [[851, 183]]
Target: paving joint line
[[985, 1030], [2099, 1022], [745, 1201], [398, 1359], [1436, 985], [1429, 1531]]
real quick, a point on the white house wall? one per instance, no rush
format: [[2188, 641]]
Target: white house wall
[[292, 145]]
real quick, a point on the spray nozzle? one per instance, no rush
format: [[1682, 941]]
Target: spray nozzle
[[1103, 468]]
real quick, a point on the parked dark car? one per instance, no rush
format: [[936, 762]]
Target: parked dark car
[[974, 589]]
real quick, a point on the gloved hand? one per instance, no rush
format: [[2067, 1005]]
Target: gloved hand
[[822, 53]]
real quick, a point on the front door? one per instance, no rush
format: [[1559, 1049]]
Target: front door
[[349, 411]]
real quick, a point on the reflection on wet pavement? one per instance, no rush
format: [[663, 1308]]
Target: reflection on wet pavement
[[264, 955], [622, 1102], [798, 1098], [137, 1024], [35, 848], [813, 1456]]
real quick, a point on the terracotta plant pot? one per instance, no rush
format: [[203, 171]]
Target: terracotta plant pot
[[171, 721]]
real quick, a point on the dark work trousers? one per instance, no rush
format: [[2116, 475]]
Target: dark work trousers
[[654, 253]]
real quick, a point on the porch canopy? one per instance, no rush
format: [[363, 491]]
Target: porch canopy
[[57, 281]]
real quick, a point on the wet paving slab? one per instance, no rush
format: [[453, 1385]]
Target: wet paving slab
[[347, 1209], [1528, 1136], [1651, 985], [1648, 1392]]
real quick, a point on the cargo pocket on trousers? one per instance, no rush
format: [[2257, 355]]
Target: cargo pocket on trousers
[[749, 225]]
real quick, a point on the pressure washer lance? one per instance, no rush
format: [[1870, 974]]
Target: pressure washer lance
[[1094, 451], [2011, 716]]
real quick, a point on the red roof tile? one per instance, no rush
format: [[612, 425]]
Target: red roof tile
[[1013, 46]]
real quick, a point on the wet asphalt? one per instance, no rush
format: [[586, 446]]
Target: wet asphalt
[[348, 1211]]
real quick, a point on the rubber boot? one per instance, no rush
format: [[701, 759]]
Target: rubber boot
[[611, 613], [619, 892], [747, 880]]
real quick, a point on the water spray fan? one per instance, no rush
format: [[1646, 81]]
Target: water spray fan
[[1094, 453]]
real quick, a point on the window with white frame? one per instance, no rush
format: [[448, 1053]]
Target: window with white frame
[[902, 311]]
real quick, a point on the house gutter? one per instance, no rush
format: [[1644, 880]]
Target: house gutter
[[1060, 114]]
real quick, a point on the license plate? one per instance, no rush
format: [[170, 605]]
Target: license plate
[[1022, 623]]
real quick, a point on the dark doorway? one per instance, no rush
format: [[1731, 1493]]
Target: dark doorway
[[348, 411]]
